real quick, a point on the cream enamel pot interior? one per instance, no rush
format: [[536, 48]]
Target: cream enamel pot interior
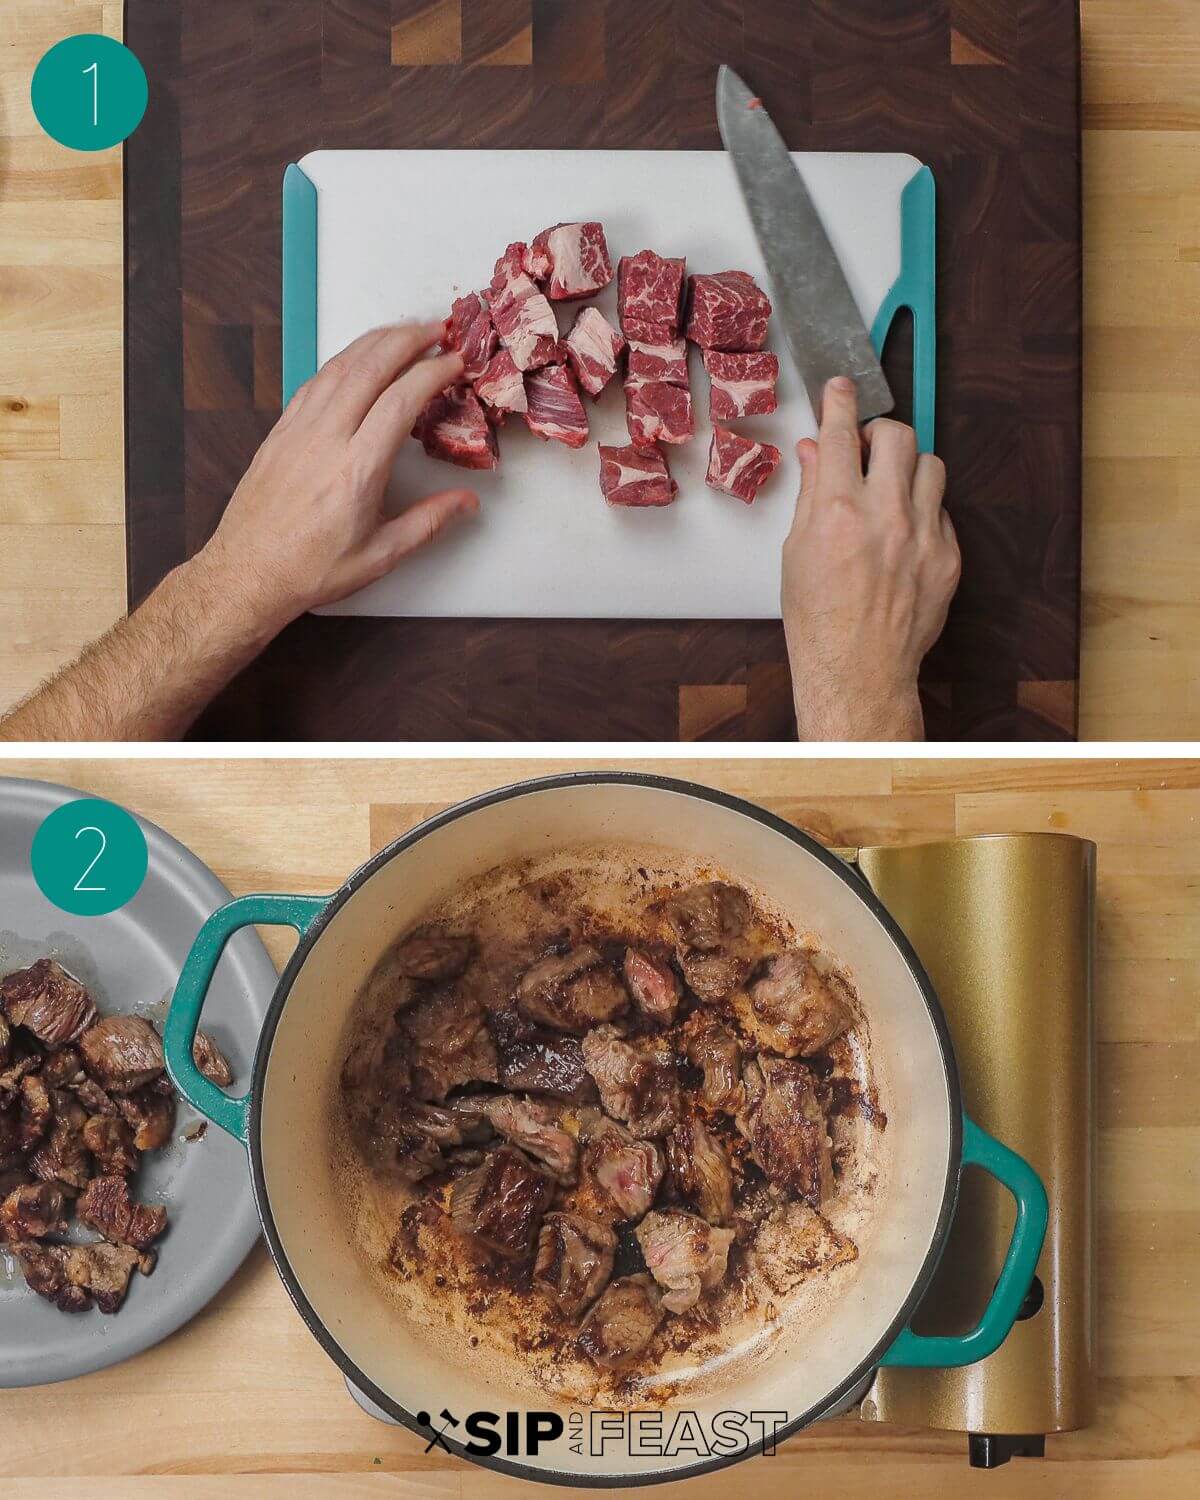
[[283, 1119]]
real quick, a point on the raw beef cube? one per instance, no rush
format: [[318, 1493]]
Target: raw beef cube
[[738, 465], [575, 258], [453, 427], [501, 387], [650, 296], [727, 311], [469, 330], [523, 318], [635, 476], [555, 410], [666, 361], [656, 412], [593, 347], [743, 385]]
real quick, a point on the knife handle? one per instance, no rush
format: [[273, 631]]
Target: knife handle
[[915, 289]]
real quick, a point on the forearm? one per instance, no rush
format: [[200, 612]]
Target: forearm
[[152, 673]]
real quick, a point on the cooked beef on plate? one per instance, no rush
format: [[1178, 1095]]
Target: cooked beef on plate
[[82, 1098]]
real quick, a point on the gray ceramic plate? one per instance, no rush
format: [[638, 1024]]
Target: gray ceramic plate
[[130, 961]]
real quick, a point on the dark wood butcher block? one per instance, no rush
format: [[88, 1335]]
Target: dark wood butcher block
[[986, 91]]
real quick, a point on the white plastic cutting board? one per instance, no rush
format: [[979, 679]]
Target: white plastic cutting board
[[401, 233]]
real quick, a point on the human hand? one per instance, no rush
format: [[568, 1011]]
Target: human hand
[[306, 525], [869, 568]]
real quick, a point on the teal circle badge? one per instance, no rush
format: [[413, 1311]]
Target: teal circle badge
[[89, 857], [89, 92]]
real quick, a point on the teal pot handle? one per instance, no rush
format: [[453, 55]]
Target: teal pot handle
[[183, 1018], [945, 1352]]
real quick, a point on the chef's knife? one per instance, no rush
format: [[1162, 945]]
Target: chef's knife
[[820, 317]]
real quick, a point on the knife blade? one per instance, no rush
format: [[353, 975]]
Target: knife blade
[[821, 321]]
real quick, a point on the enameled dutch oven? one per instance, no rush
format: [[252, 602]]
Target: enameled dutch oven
[[812, 1370]]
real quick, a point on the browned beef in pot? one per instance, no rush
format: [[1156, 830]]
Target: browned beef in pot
[[32, 1212], [501, 1203], [708, 915], [449, 1045], [409, 1141], [150, 1115], [10, 1079], [431, 953], [574, 1260], [713, 1048], [627, 1170], [63, 1069], [714, 976], [786, 1128], [211, 1061], [535, 1127], [653, 983], [35, 1110], [700, 1169], [536, 1059], [571, 991], [46, 1000], [107, 1208], [122, 1053], [800, 1008], [685, 1254], [638, 1080], [62, 1156], [110, 1141], [622, 1322]]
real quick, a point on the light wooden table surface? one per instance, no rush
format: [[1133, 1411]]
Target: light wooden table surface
[[61, 495], [245, 1396]]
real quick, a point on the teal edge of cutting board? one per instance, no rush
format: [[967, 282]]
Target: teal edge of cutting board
[[299, 280], [913, 289]]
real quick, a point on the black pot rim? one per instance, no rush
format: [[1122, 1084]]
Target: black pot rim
[[702, 793]]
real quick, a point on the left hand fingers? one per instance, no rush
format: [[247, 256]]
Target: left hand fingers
[[390, 419], [347, 386]]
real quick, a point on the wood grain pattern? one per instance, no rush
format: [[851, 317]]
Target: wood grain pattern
[[243, 1405], [990, 99]]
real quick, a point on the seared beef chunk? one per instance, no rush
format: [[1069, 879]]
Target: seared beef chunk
[[714, 1049], [111, 1142], [32, 1212], [539, 1060], [801, 1009], [46, 1000], [637, 1079], [5, 1041], [45, 1268], [786, 1128], [62, 1157], [574, 1260], [378, 1069], [150, 1115], [684, 1254], [10, 1079], [536, 1128], [714, 976], [449, 1045], [431, 953], [705, 916], [92, 1096], [122, 1053], [36, 1110], [571, 991], [211, 1061], [622, 1322], [626, 1169], [653, 984], [107, 1208], [501, 1203], [700, 1170], [408, 1141], [63, 1069], [11, 1154]]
